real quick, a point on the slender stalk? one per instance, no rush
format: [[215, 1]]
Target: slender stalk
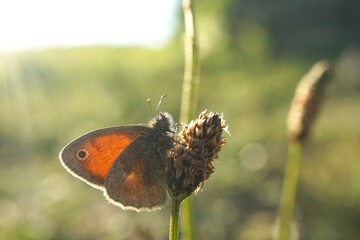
[[289, 190], [192, 65], [189, 95], [174, 219]]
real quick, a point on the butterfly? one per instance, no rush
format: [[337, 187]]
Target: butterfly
[[127, 162]]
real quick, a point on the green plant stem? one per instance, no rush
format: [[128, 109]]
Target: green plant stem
[[189, 97], [289, 190], [174, 219], [192, 65]]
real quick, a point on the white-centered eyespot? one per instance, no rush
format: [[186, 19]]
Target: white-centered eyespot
[[82, 154]]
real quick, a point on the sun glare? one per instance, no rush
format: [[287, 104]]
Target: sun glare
[[41, 23]]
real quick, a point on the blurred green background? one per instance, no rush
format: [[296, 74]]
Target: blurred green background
[[253, 54]]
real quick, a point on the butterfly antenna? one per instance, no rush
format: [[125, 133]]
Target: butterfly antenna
[[149, 101], [162, 97]]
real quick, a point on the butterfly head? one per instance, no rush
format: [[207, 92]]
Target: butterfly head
[[164, 131], [164, 123]]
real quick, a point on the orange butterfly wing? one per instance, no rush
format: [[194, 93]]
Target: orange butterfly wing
[[90, 156], [137, 178]]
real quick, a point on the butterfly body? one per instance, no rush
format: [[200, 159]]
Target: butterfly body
[[126, 162]]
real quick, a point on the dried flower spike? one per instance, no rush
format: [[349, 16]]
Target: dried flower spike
[[190, 162], [307, 100]]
